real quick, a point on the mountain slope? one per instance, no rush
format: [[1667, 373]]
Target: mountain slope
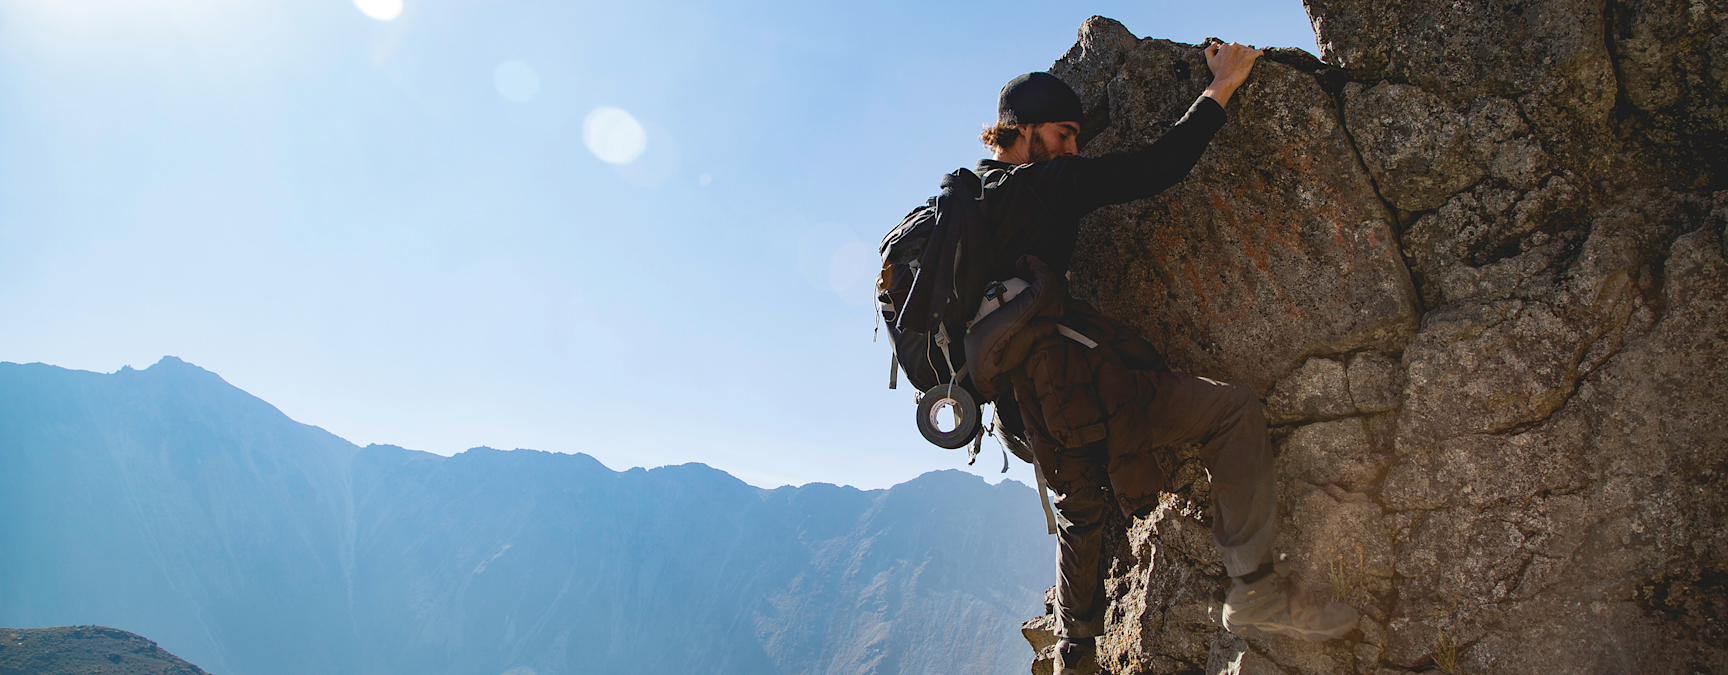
[[168, 502]]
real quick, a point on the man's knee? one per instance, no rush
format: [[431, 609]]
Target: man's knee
[[1082, 506], [1235, 397], [1246, 401]]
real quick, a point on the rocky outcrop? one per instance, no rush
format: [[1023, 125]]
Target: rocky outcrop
[[85, 650], [1474, 262]]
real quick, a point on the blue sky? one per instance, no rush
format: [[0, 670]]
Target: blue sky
[[397, 230]]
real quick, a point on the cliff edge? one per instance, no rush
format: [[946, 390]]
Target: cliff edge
[[1474, 263]]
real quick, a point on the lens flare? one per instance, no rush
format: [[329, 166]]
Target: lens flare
[[614, 136], [852, 270], [382, 10], [516, 81], [658, 161]]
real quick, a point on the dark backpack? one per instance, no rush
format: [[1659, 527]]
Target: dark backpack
[[931, 284]]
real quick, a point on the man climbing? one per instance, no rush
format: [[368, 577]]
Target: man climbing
[[1094, 400]]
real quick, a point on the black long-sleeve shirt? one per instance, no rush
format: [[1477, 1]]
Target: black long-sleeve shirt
[[1036, 208]]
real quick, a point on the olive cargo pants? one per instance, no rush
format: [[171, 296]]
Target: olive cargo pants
[[1229, 424]]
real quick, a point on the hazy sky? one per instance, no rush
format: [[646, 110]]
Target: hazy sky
[[641, 230]]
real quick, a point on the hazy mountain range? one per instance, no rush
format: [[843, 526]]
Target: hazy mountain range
[[168, 503]]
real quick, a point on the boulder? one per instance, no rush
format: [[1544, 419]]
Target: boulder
[[1246, 269], [1475, 262], [1422, 148], [1317, 390]]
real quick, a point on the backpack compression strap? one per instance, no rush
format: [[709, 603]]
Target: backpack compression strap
[[1044, 494]]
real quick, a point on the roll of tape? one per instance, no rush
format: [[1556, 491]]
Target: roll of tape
[[947, 399]]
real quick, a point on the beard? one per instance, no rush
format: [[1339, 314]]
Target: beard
[[1038, 151]]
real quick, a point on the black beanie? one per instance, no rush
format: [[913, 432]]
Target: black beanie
[[1037, 97]]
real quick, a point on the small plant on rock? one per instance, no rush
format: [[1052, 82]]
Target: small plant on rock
[[1346, 579], [1445, 653]]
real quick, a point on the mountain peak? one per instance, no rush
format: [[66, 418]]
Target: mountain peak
[[174, 364]]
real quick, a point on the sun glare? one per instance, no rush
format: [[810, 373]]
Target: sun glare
[[851, 269], [614, 136], [382, 10], [516, 81]]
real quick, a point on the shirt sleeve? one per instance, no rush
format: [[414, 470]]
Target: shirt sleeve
[[1079, 185]]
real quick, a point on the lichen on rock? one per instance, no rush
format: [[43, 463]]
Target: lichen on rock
[[1475, 263]]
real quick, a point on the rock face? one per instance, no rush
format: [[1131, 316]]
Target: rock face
[[1475, 264], [85, 650], [1224, 268]]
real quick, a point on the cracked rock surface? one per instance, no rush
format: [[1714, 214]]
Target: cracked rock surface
[[1475, 264]]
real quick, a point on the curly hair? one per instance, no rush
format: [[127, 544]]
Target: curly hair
[[1000, 136]]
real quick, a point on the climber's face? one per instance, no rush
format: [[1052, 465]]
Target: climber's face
[[1049, 140]]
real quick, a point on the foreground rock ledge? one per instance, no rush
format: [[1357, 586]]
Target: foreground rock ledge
[[81, 650], [1475, 264]]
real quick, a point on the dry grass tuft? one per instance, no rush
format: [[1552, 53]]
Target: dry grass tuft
[[1445, 654], [1345, 578]]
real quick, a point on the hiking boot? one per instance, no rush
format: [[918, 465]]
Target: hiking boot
[[1076, 657], [1266, 606]]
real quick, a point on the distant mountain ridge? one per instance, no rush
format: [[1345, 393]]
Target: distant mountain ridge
[[169, 503]]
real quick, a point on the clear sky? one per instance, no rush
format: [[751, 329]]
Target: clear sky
[[641, 230]]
